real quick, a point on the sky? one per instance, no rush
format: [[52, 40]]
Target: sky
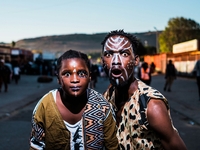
[[22, 19]]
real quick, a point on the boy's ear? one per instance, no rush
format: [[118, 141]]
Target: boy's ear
[[58, 80], [90, 75]]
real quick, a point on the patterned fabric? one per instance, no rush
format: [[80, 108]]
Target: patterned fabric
[[133, 131], [97, 107], [98, 125]]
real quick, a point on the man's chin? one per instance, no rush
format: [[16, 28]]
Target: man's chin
[[118, 84]]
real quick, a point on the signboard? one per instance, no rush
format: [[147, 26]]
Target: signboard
[[186, 46], [15, 52]]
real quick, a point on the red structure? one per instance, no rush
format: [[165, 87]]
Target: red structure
[[184, 57]]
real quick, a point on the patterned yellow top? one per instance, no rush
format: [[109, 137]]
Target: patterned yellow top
[[50, 132]]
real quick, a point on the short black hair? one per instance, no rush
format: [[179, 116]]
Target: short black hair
[[72, 54], [134, 41]]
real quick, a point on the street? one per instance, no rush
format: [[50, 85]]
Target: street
[[15, 129]]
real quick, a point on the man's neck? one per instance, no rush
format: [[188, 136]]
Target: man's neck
[[123, 93]]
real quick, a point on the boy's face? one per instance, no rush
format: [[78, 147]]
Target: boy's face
[[74, 76], [118, 59]]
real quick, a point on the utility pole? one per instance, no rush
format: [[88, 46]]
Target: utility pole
[[157, 46]]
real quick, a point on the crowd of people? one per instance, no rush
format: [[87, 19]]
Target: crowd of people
[[12, 70], [130, 114]]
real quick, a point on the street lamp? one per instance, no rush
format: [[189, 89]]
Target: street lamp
[[157, 46]]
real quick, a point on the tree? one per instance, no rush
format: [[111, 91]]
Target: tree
[[13, 43], [178, 30]]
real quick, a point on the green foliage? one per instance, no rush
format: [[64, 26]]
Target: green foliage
[[13, 43], [178, 30]]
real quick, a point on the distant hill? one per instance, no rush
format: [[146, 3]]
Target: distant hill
[[88, 43]]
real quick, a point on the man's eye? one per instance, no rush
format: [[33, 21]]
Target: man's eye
[[107, 55], [124, 54]]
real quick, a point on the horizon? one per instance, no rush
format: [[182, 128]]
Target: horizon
[[75, 34], [27, 20]]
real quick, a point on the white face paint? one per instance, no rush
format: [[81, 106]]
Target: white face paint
[[117, 43], [118, 50], [74, 74]]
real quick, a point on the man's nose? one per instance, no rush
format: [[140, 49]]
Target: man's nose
[[116, 60]]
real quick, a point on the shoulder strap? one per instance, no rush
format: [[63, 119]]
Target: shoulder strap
[[143, 106]]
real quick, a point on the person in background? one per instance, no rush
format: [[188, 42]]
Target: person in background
[[170, 76], [137, 71], [142, 112], [196, 72], [4, 75], [94, 75], [145, 73], [9, 65], [16, 72], [152, 67], [73, 116]]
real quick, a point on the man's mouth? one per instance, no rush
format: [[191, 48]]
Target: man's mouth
[[116, 73]]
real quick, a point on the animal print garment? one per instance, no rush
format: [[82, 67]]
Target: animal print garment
[[133, 132]]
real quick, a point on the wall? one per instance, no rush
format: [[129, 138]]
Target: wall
[[184, 62], [159, 61]]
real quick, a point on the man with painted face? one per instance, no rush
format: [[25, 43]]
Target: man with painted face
[[143, 115], [73, 116]]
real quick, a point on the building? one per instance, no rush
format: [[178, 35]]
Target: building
[[5, 52], [14, 54], [184, 57]]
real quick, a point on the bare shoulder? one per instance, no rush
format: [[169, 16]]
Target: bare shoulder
[[157, 113]]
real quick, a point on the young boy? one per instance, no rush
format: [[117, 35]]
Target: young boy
[[73, 116]]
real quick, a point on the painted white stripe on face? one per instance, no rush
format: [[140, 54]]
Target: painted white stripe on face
[[74, 71], [75, 93], [124, 45], [116, 42], [117, 81], [122, 78], [116, 58], [111, 43]]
